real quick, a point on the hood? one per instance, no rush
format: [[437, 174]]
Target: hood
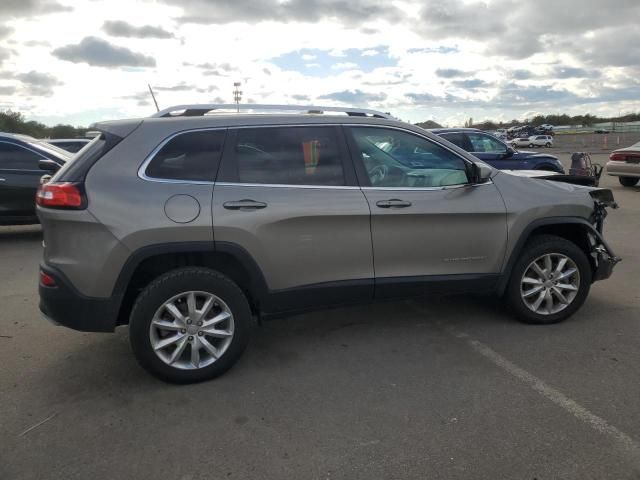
[[530, 173], [546, 185], [531, 154]]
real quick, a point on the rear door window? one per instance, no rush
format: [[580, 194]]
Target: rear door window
[[190, 156], [16, 157], [459, 139], [288, 156]]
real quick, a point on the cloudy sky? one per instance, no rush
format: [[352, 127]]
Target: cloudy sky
[[79, 61]]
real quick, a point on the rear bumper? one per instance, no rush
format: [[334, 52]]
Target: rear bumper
[[623, 169], [64, 305]]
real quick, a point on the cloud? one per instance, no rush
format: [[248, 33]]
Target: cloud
[[517, 29], [5, 53], [37, 84], [471, 83], [7, 89], [354, 97], [5, 31], [349, 12], [120, 28], [574, 72], [521, 74], [30, 8], [450, 73], [300, 98], [182, 87], [100, 53]]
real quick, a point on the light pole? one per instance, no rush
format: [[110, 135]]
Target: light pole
[[237, 95]]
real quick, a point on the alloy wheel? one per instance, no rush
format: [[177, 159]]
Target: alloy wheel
[[550, 283], [191, 330]]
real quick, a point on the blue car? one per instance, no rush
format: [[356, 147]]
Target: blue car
[[497, 153]]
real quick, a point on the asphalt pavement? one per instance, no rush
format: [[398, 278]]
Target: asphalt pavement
[[449, 388]]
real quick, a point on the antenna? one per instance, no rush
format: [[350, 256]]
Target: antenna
[[153, 96]]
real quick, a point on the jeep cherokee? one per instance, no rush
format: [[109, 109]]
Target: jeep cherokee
[[189, 225]]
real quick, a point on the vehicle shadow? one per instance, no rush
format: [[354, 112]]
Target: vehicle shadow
[[20, 232], [103, 369]]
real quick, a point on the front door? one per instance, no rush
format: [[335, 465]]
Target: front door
[[19, 180], [431, 229], [287, 195]]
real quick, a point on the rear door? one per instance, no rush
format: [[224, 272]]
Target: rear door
[[288, 196], [19, 180], [430, 228]]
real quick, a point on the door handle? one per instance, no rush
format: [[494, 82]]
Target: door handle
[[244, 205], [393, 203]]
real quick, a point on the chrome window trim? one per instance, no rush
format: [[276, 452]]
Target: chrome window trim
[[142, 169], [286, 185], [413, 189]]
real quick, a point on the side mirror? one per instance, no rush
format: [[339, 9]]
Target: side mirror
[[48, 165], [509, 153], [481, 172]]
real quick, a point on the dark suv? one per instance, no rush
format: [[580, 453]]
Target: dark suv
[[189, 225], [497, 153]]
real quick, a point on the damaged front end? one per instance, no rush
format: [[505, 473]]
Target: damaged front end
[[603, 257]]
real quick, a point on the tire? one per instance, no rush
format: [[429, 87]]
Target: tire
[[229, 336], [539, 247], [548, 145], [628, 181], [531, 145]]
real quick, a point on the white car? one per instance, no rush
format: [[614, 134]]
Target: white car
[[533, 141]]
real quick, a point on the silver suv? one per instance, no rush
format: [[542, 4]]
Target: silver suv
[[190, 225]]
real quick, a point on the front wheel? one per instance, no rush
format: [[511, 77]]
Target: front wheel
[[548, 145], [628, 181], [550, 281], [190, 324], [531, 145]]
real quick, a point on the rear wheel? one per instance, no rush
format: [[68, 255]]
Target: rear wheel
[[531, 145], [189, 325], [628, 181], [550, 281], [548, 145]]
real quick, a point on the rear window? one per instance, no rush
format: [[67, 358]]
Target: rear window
[[190, 156]]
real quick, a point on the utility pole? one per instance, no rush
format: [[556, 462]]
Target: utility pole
[[237, 95]]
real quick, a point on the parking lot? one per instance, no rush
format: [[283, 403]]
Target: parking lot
[[441, 389]]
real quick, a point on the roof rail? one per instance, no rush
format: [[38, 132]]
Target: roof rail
[[197, 110]]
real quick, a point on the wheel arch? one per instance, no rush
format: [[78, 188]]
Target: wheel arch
[[148, 263], [574, 229]]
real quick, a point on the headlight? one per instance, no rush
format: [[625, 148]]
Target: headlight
[[604, 197]]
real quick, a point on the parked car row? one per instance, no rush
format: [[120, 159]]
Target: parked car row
[[532, 141]]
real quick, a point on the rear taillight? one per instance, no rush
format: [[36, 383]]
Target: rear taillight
[[631, 157], [61, 195], [47, 280]]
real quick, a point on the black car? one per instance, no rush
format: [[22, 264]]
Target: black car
[[497, 153], [22, 159]]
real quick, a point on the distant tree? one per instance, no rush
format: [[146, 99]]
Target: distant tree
[[14, 122], [428, 124]]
